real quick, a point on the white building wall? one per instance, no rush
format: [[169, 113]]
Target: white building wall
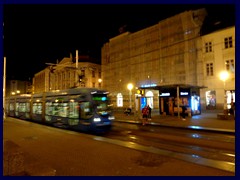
[[218, 57]]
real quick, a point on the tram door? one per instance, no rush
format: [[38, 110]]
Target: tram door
[[85, 110]]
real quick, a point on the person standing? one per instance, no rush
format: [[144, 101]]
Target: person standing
[[144, 115], [149, 112], [184, 108]]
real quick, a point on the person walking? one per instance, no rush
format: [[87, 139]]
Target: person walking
[[144, 115]]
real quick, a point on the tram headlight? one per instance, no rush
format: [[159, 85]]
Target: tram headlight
[[97, 119], [111, 117]]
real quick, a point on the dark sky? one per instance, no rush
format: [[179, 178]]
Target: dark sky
[[39, 34]]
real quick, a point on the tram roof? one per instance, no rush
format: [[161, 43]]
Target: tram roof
[[73, 91]]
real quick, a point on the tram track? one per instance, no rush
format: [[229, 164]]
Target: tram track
[[209, 146]]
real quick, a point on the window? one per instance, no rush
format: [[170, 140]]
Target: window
[[228, 42], [86, 111], [37, 108], [73, 109], [119, 100], [93, 84], [99, 74], [230, 65], [211, 99], [83, 72], [208, 47], [22, 107], [49, 108], [93, 73], [209, 69]]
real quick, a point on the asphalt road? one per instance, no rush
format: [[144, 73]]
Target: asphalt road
[[72, 153]]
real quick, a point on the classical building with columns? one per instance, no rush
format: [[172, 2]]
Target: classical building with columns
[[167, 64], [68, 74]]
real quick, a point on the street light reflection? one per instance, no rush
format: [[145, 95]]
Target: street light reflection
[[133, 137], [195, 135], [195, 127], [195, 156]]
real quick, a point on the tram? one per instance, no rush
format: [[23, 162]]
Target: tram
[[83, 109]]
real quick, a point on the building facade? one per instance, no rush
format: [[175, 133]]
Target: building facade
[[218, 55], [14, 87], [68, 74], [169, 65]]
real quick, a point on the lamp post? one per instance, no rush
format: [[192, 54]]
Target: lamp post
[[4, 87], [130, 86], [224, 76], [100, 81]]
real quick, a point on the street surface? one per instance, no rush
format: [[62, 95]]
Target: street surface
[[76, 154]]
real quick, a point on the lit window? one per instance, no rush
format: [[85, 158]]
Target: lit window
[[230, 65], [119, 100]]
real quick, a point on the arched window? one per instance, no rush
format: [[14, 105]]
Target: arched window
[[149, 96], [119, 100]]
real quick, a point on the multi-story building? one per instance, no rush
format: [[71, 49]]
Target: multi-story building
[[170, 64], [161, 60], [217, 55], [14, 87], [68, 74]]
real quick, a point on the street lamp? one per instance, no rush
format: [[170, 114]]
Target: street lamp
[[99, 81], [130, 86], [224, 76]]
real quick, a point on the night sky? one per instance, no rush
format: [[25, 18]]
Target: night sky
[[39, 34]]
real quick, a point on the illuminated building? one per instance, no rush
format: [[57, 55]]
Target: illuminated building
[[166, 61]]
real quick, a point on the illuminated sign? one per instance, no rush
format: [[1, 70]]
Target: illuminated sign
[[149, 85], [165, 94], [99, 98], [183, 93]]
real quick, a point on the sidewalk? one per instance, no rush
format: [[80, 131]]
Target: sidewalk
[[206, 121]]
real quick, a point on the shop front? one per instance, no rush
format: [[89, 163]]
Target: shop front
[[171, 100]]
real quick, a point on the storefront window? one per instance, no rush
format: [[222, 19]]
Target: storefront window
[[230, 98], [119, 100], [149, 96], [210, 99]]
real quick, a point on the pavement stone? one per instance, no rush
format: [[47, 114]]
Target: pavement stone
[[206, 121]]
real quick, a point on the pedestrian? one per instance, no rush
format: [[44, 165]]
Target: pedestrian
[[233, 109], [128, 111], [144, 115], [149, 112], [184, 108]]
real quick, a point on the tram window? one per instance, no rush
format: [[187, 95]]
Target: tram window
[[63, 109], [37, 108], [55, 110], [49, 108], [73, 110], [17, 106], [27, 107], [86, 110], [11, 107], [22, 107]]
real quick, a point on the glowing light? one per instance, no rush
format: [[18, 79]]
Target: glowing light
[[130, 86], [224, 75]]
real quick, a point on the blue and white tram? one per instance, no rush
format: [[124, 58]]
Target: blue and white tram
[[84, 109]]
